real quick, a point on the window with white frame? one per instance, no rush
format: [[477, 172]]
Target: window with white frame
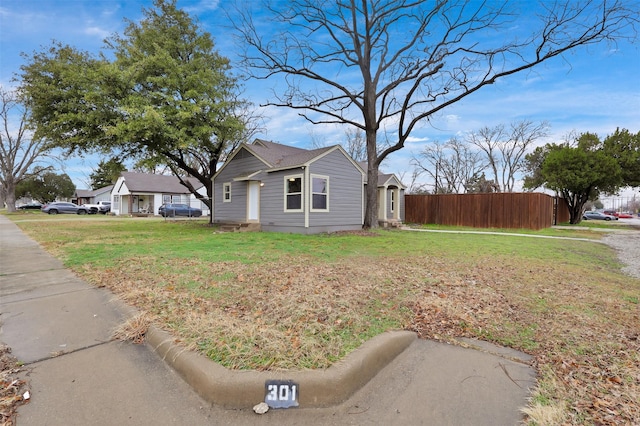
[[393, 201], [226, 192], [320, 193], [293, 193]]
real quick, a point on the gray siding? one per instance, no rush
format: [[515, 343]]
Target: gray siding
[[345, 196], [346, 192], [236, 210], [272, 211]]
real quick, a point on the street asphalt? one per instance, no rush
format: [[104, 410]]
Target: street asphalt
[[60, 327]]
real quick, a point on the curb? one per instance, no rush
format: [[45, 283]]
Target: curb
[[244, 389]]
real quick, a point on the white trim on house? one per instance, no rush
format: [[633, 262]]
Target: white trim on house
[[325, 193], [286, 193], [253, 201], [226, 192]]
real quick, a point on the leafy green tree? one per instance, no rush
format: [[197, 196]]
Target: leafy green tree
[[167, 97], [578, 173], [46, 187], [624, 146], [106, 173]]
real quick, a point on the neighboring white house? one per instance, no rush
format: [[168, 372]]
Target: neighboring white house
[[142, 193]]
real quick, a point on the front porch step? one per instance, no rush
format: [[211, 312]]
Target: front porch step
[[390, 223], [238, 227]]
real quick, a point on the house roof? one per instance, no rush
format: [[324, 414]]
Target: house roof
[[280, 156], [88, 193], [388, 179], [146, 182], [83, 193], [384, 179]]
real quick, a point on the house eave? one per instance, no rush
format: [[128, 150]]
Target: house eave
[[247, 177]]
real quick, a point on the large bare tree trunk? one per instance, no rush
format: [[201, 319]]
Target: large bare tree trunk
[[371, 210], [371, 198], [10, 196]]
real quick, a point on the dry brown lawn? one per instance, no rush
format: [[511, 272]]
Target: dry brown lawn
[[565, 303], [582, 333]]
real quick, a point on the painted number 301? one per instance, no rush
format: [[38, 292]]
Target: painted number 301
[[281, 394]]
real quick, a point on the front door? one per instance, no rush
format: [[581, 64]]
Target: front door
[[253, 201]]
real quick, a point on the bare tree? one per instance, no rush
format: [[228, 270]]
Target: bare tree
[[19, 152], [450, 165], [524, 134], [356, 144], [504, 149], [488, 140], [375, 63], [414, 186]]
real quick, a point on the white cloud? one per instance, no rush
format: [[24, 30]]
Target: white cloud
[[97, 31], [415, 139], [201, 7]]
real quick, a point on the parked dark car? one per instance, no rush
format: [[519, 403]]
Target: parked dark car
[[598, 216], [30, 206], [61, 207], [172, 210]]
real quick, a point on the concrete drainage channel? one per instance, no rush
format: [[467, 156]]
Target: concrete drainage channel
[[317, 388]]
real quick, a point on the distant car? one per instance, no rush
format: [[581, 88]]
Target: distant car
[[618, 214], [61, 207], [623, 215], [102, 207], [171, 210], [30, 206], [598, 216]]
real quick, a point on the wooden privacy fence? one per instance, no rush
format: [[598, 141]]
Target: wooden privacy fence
[[496, 210]]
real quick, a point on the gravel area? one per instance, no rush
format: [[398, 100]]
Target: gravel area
[[627, 243]]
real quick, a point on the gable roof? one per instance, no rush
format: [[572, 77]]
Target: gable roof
[[276, 156], [280, 156], [146, 182], [384, 179], [387, 179]]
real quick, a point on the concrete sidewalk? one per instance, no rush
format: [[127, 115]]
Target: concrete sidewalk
[[60, 327]]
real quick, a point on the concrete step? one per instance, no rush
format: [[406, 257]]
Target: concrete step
[[239, 227]]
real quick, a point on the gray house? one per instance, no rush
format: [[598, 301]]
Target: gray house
[[283, 188]]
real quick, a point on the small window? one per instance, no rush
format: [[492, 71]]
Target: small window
[[226, 192], [319, 193], [293, 193], [393, 201]]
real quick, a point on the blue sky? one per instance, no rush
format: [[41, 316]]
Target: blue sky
[[596, 89]]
